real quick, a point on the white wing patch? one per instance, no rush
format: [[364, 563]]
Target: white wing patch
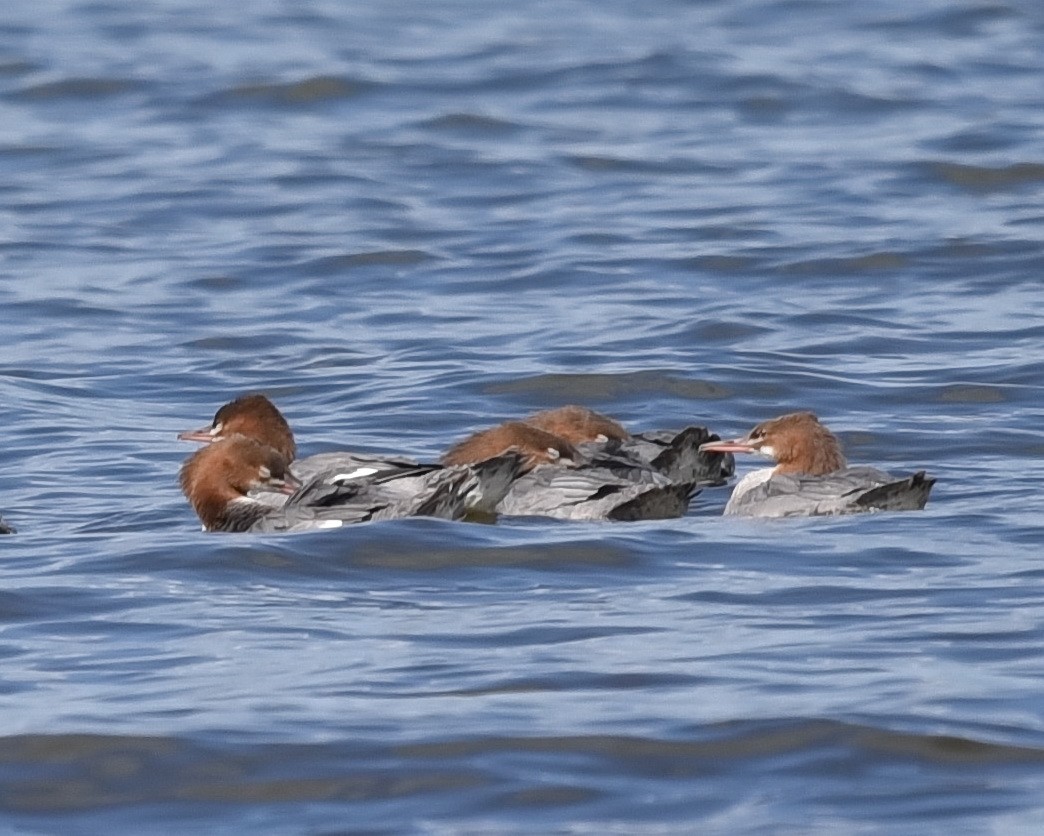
[[358, 473]]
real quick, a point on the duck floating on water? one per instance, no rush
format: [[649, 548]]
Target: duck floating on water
[[811, 476], [254, 416], [570, 463], [223, 480], [582, 465]]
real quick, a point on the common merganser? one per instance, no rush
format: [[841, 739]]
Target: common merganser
[[811, 476], [593, 469], [676, 454], [5, 527], [255, 416], [221, 482]]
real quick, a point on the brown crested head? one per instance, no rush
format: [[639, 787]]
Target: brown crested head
[[536, 446], [227, 470], [253, 416], [798, 443], [577, 424]]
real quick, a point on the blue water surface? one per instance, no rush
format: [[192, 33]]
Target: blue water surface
[[407, 221]]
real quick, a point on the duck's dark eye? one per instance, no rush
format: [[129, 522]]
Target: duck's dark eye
[[757, 434]]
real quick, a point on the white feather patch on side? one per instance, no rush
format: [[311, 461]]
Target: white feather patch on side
[[358, 473], [747, 483]]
